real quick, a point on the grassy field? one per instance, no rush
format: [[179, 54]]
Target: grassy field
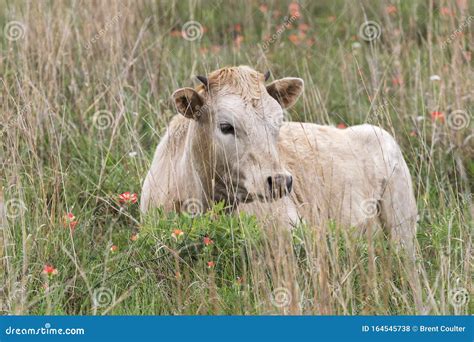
[[85, 98]]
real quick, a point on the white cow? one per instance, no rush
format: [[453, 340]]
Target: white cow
[[230, 144]]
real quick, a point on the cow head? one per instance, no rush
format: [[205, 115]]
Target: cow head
[[237, 118]]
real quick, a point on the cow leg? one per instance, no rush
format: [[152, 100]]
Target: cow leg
[[398, 213]]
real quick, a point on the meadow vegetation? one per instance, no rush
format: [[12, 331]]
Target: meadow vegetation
[[85, 97]]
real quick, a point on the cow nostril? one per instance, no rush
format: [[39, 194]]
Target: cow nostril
[[270, 183], [279, 185], [289, 183]]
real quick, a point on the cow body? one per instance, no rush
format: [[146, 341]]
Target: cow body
[[230, 144]]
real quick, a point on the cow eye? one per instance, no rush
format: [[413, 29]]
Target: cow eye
[[227, 128]]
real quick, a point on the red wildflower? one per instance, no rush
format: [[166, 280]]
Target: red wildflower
[[176, 33], [263, 8], [303, 27], [207, 241], [397, 81], [210, 264], [49, 270], [128, 198], [294, 39], [437, 116], [238, 28], [294, 9], [341, 125], [310, 42], [114, 248], [70, 220], [391, 9], [177, 233], [445, 11]]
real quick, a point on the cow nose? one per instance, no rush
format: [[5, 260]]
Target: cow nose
[[289, 183], [279, 185]]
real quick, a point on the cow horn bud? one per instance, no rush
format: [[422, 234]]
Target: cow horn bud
[[267, 75], [203, 80]]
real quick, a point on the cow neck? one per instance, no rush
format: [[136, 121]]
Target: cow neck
[[198, 159]]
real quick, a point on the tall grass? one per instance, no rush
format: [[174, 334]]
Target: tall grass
[[85, 99]]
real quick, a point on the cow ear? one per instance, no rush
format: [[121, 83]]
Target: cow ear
[[286, 90], [188, 103]]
